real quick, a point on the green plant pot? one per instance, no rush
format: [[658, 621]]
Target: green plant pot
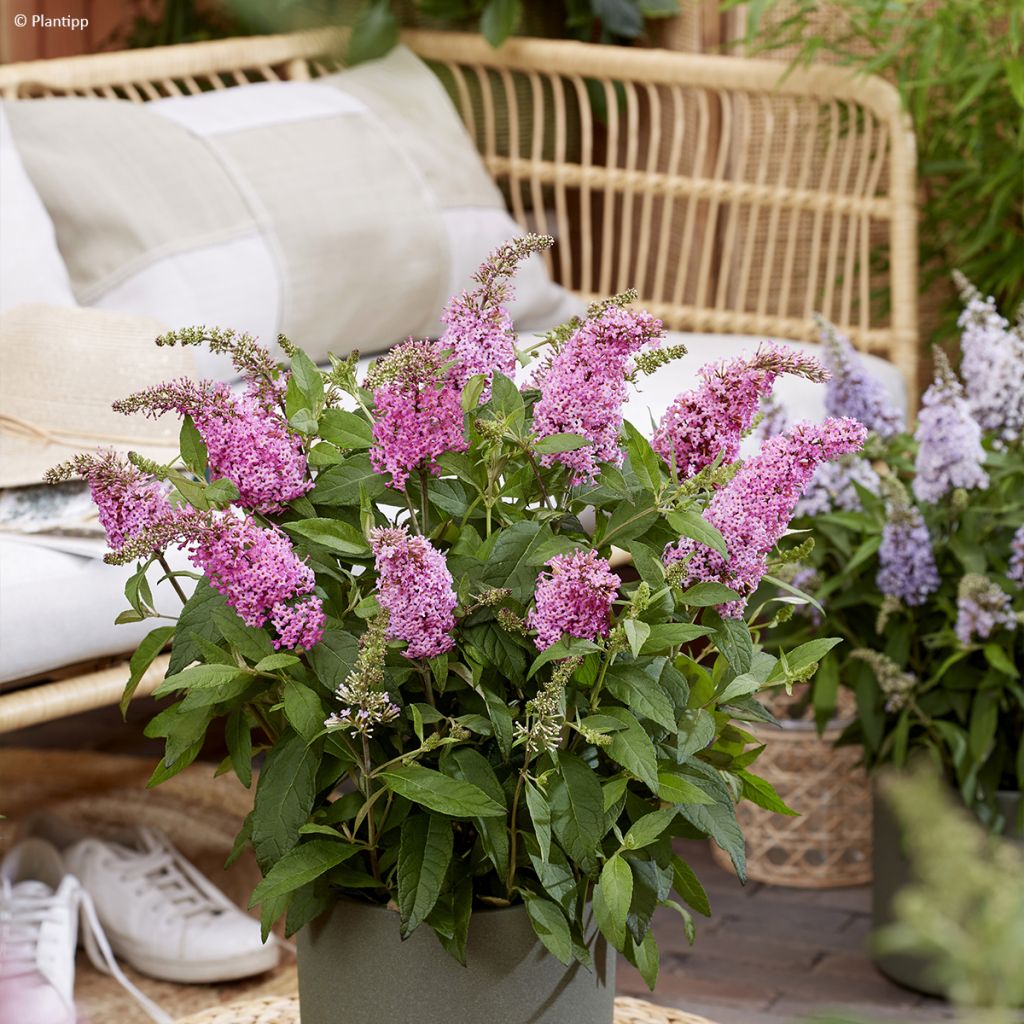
[[892, 872], [354, 969]]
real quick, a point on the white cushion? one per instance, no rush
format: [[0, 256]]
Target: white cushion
[[31, 268], [58, 606]]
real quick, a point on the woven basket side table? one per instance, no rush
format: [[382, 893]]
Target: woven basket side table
[[286, 1011]]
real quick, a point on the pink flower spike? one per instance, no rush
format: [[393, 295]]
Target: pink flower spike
[[575, 597], [417, 590], [753, 511], [298, 625]]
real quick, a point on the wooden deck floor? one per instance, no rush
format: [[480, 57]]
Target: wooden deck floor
[[772, 955]]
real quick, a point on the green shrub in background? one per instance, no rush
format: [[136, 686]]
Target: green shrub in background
[[376, 23], [959, 65]]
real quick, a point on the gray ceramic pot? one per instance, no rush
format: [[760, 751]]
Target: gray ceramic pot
[[892, 872], [354, 969]]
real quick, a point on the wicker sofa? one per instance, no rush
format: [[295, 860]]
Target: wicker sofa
[[735, 200]]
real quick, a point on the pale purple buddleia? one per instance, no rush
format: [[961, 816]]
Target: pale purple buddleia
[[983, 608], [710, 421], [992, 364], [1016, 569], [906, 561], [753, 510], [416, 589], [949, 454], [365, 702], [574, 598], [832, 488], [852, 391], [583, 387]]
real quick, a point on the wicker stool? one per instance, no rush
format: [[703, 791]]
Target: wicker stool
[[829, 844], [286, 1011]]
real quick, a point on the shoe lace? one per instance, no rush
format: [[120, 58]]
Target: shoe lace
[[102, 957], [23, 912]]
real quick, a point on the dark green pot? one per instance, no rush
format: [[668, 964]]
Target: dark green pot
[[892, 872], [354, 969]]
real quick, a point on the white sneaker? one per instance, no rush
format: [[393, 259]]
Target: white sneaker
[[163, 916], [40, 906]]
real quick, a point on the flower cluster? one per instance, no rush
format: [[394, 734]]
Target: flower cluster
[[546, 712], [128, 502], [418, 410], [852, 391], [992, 365], [982, 607], [366, 704], [300, 624], [583, 387], [949, 453], [1015, 571], [754, 509], [416, 589], [834, 486], [575, 597], [906, 562], [895, 684], [247, 439], [710, 421]]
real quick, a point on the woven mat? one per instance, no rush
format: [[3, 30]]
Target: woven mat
[[286, 1011], [200, 813]]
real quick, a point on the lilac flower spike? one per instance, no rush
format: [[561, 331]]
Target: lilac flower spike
[[852, 391], [418, 410], [417, 591], [992, 364], [583, 387], [711, 420], [754, 509], [906, 563], [949, 452], [127, 500], [1016, 568], [575, 597], [982, 608]]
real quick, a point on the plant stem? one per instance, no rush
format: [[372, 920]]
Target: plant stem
[[371, 828], [423, 502], [174, 583], [596, 692], [428, 688], [536, 473], [412, 512], [513, 834]]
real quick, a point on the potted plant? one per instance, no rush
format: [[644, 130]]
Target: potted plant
[[918, 562], [467, 718]]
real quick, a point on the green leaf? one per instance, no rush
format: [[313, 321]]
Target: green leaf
[[982, 729], [676, 789], [802, 657], [612, 897], [577, 809], [688, 886], [566, 647], [554, 444], [345, 429], [693, 525], [238, 735], [472, 391], [272, 662], [632, 748], [1000, 661], [649, 828], [540, 814], [198, 677], [441, 793], [719, 822], [374, 33], [471, 766], [637, 632], [551, 926], [644, 695], [309, 379], [222, 492], [193, 448], [197, 618], [703, 595], [499, 19], [666, 635], [303, 709], [332, 534], [761, 792], [732, 637], [284, 798], [646, 958], [340, 485], [619, 17], [145, 654], [300, 865], [303, 422], [740, 686], [696, 730], [334, 657], [423, 859]]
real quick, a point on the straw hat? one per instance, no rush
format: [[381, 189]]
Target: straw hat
[[60, 370]]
